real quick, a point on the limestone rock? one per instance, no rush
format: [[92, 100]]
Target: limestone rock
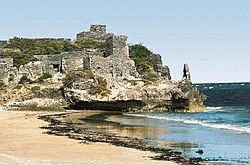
[[159, 68], [186, 73], [136, 96], [33, 70]]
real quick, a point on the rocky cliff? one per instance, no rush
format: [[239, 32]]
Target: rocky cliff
[[87, 91]]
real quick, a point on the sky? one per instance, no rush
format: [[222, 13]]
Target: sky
[[212, 36]]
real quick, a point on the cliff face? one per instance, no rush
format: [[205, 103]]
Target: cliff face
[[99, 72], [132, 95]]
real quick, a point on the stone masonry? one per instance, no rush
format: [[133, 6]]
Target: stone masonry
[[112, 61]]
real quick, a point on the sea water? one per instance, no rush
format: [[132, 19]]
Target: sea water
[[222, 131]]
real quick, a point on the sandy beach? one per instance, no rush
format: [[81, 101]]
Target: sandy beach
[[22, 141]]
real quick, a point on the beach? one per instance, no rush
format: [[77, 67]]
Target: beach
[[22, 141]]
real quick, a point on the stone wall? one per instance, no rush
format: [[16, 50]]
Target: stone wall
[[113, 61], [69, 64], [52, 63], [114, 67], [4, 70], [98, 29], [120, 46], [113, 43], [32, 70], [8, 73], [97, 33]]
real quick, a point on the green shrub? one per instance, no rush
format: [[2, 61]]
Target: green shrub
[[19, 58], [24, 79], [11, 77], [22, 50], [74, 76], [35, 89], [51, 46], [44, 77], [140, 54], [49, 93], [88, 43], [138, 50], [41, 46]]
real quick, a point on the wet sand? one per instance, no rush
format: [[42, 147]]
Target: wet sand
[[93, 126], [22, 141]]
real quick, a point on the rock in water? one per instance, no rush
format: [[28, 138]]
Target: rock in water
[[200, 151]]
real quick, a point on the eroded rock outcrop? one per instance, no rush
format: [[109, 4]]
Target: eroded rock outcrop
[[186, 73], [132, 95]]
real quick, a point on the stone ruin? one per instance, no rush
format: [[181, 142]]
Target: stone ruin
[[111, 61]]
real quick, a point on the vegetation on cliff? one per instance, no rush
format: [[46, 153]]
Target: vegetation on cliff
[[22, 50], [87, 44], [46, 46], [40, 46], [19, 58], [95, 85], [24, 79], [140, 54]]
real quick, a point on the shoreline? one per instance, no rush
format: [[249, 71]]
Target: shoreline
[[22, 141], [83, 130]]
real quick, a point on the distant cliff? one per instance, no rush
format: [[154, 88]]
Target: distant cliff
[[98, 70]]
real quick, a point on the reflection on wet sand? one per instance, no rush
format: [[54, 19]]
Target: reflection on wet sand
[[122, 125], [117, 124], [117, 129], [150, 132]]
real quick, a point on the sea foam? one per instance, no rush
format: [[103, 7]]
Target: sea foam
[[213, 108], [239, 129]]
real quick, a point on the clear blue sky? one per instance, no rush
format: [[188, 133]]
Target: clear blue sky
[[212, 36]]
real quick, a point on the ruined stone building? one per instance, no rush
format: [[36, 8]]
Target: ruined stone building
[[111, 60]]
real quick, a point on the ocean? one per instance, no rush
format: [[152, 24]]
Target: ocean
[[222, 131]]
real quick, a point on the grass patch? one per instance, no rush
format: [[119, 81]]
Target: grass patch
[[24, 79], [35, 89], [44, 77]]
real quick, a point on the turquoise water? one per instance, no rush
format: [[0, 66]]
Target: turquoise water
[[222, 131]]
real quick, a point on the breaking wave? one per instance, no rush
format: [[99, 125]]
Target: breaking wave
[[241, 129], [213, 108]]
